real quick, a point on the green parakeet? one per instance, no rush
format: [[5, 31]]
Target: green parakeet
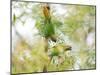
[[45, 25]]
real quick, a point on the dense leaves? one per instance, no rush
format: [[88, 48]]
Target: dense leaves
[[74, 48]]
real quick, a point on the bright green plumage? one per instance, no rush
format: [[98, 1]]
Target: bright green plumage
[[49, 30], [45, 25], [46, 29]]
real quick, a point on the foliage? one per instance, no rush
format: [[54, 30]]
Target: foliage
[[75, 45]]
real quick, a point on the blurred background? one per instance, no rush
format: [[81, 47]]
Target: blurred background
[[75, 26]]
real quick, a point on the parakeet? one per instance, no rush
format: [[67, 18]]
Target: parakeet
[[49, 27], [45, 25]]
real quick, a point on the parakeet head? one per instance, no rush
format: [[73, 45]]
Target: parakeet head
[[46, 10]]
